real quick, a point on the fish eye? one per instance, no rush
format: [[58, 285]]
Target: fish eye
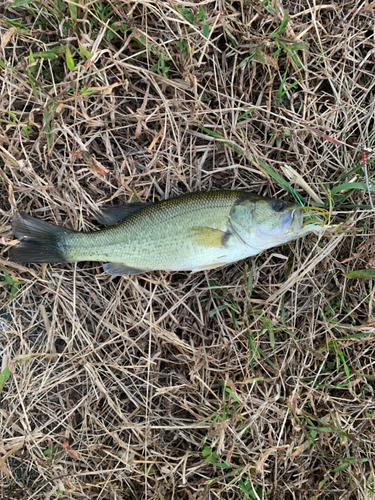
[[278, 206]]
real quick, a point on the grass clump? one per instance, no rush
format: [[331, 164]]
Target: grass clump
[[315, 217], [254, 381]]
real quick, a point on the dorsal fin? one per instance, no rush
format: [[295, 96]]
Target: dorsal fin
[[111, 216]]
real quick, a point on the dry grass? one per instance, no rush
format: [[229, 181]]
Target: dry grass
[[255, 381]]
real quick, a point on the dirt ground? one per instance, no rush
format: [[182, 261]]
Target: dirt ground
[[254, 381]]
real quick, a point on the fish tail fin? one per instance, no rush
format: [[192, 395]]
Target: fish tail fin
[[40, 241]]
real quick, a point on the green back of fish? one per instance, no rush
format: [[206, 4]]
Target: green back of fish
[[173, 234]]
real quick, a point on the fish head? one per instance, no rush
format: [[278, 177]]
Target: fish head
[[264, 222]]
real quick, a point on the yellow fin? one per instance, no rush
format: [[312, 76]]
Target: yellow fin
[[209, 237]]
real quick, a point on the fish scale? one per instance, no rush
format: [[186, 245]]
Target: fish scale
[[158, 236], [192, 232]]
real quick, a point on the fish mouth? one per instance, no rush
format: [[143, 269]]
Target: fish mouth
[[293, 221], [290, 226]]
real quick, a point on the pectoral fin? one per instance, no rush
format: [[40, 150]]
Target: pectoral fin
[[112, 216], [116, 269], [209, 237]]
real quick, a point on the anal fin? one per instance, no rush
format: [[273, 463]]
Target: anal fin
[[118, 269], [208, 267]]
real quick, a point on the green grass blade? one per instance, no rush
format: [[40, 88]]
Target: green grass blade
[[73, 10], [351, 185], [276, 177], [20, 3], [361, 274], [4, 376], [241, 117], [69, 59]]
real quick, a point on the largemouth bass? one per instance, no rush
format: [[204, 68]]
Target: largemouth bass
[[193, 232]]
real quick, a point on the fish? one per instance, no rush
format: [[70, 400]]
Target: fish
[[193, 232]]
